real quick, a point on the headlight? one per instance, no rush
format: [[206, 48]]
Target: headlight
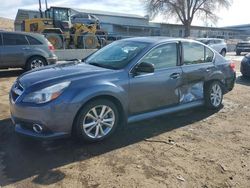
[[47, 94]]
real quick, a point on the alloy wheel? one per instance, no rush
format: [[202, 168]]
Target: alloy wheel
[[36, 63], [216, 95], [98, 121]]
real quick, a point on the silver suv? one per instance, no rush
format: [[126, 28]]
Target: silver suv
[[218, 45], [25, 50]]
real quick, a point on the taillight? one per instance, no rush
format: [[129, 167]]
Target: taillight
[[232, 66], [51, 47]]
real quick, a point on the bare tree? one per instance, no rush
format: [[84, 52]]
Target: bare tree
[[185, 10]]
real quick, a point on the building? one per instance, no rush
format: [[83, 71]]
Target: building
[[127, 25]]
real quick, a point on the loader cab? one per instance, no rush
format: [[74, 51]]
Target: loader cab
[[60, 17]]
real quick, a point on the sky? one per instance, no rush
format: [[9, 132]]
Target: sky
[[235, 15]]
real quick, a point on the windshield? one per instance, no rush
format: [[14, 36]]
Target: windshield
[[203, 41], [116, 55]]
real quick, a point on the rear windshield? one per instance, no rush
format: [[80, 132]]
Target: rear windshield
[[33, 41]]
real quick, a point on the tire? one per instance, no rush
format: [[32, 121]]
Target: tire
[[95, 130], [238, 52], [35, 62], [88, 41], [55, 39], [213, 94], [223, 52]]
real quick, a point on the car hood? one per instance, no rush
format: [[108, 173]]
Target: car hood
[[62, 71], [244, 42]]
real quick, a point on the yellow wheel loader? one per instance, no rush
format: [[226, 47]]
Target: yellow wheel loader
[[56, 25]]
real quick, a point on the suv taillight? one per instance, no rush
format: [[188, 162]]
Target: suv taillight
[[51, 47], [232, 66]]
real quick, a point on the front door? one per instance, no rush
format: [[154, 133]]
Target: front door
[[157, 90]]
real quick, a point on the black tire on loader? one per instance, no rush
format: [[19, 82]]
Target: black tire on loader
[[88, 41], [55, 39]]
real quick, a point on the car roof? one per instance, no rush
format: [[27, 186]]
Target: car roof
[[157, 40], [22, 33], [209, 39]]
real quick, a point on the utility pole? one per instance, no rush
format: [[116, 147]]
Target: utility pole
[[40, 9], [46, 4]]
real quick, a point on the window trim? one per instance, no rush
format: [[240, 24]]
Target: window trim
[[182, 54], [26, 36], [1, 39], [178, 63]]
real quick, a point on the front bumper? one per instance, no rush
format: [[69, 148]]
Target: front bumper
[[243, 49], [41, 136], [55, 118]]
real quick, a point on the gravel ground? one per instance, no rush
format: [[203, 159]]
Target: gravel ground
[[196, 148]]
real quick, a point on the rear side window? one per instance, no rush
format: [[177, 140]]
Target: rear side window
[[14, 39], [196, 53], [209, 55], [193, 53], [33, 41]]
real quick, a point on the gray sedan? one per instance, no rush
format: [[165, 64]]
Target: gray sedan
[[127, 81]]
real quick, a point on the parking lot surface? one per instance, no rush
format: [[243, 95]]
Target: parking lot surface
[[195, 148]]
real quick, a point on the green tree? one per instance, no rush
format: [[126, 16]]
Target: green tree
[[185, 10]]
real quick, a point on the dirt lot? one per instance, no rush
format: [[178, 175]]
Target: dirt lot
[[198, 148]]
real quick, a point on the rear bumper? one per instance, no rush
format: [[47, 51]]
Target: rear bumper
[[52, 60], [229, 83]]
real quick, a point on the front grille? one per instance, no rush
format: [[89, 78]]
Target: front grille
[[243, 45], [17, 91]]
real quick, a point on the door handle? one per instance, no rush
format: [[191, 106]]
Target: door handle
[[26, 48], [208, 69], [175, 75]]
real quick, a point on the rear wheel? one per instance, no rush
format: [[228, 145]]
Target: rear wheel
[[96, 121], [213, 95], [35, 62]]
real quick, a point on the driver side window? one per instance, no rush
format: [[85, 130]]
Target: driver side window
[[163, 56]]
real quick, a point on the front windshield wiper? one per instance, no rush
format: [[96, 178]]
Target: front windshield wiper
[[102, 65]]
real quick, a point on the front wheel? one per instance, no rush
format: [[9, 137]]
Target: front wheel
[[223, 52], [97, 120], [213, 95]]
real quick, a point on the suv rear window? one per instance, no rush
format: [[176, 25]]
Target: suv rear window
[[14, 39], [33, 41]]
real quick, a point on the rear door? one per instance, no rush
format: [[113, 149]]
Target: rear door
[[157, 90], [15, 47], [197, 66]]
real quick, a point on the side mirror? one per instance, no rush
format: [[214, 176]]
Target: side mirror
[[144, 68]]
